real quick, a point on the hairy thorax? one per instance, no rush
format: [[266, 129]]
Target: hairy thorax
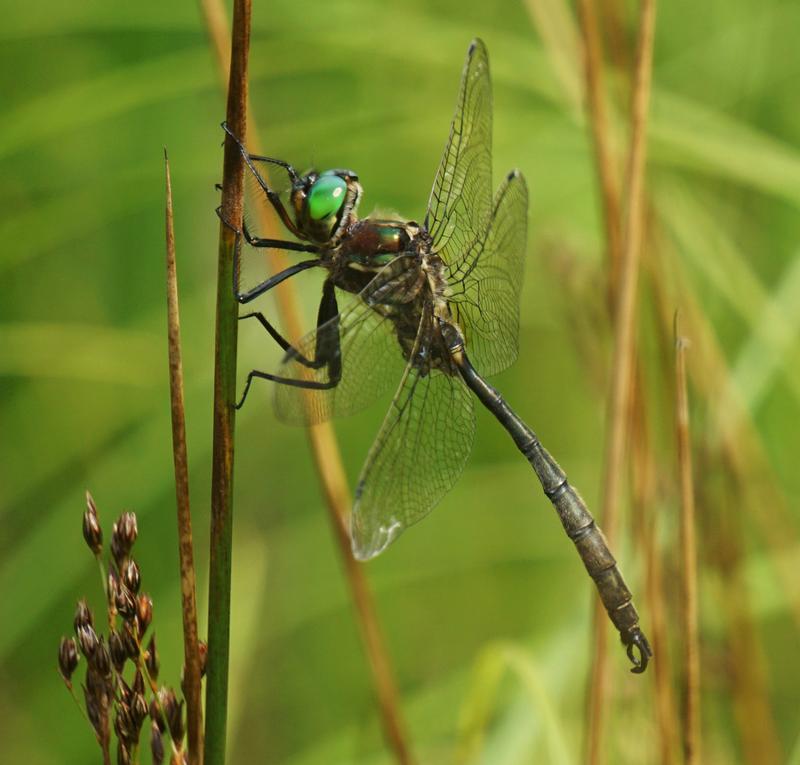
[[391, 265]]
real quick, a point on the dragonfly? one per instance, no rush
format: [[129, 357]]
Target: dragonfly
[[431, 309]]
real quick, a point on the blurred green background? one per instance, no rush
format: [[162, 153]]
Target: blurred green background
[[91, 94]]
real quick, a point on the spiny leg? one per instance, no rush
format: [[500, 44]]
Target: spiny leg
[[272, 196], [272, 281], [327, 350]]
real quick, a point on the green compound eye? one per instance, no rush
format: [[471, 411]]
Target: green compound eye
[[326, 196]]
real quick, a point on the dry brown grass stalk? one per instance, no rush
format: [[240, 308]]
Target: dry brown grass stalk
[[328, 462], [739, 442], [622, 367], [191, 679], [601, 139], [740, 452], [691, 702], [644, 467], [743, 669]]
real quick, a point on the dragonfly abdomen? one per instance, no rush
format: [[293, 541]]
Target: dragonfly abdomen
[[575, 517]]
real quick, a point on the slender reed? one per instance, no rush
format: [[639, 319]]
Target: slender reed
[[191, 650], [327, 459], [691, 705], [645, 516], [219, 595], [601, 140], [622, 364], [746, 677], [741, 454]]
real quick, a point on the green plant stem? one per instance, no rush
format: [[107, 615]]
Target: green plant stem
[[219, 595]]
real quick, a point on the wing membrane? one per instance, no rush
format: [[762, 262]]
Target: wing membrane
[[369, 354], [486, 282], [418, 455], [460, 201]]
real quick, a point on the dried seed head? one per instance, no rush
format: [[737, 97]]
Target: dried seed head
[[92, 532], [124, 690], [87, 640], [127, 605], [68, 658], [83, 616], [151, 658], [156, 745], [112, 585], [138, 683], [173, 710], [123, 753], [93, 710], [123, 726], [117, 650], [123, 535], [155, 712], [131, 576], [101, 659], [129, 640], [138, 712], [144, 613]]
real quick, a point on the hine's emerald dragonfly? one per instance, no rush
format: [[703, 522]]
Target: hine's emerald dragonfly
[[436, 309]]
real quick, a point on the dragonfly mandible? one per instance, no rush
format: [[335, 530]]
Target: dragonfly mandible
[[434, 309]]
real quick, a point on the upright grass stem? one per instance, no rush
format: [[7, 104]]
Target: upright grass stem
[[691, 707], [622, 367], [191, 678], [601, 139], [327, 459], [219, 595]]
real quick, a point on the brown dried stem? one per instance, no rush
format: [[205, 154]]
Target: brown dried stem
[[219, 596], [645, 524], [601, 140], [327, 459], [691, 706], [191, 678], [624, 337]]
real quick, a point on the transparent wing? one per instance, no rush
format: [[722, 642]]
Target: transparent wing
[[460, 201], [418, 455], [367, 351], [486, 282]]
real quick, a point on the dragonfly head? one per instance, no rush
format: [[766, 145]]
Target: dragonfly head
[[324, 204]]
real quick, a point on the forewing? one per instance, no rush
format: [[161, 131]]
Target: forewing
[[460, 201], [368, 351], [418, 455], [486, 284]]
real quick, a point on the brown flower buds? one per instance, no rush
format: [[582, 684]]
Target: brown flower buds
[[92, 532], [68, 658], [151, 658], [123, 535], [131, 576]]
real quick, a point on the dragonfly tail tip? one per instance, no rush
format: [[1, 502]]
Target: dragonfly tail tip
[[639, 652]]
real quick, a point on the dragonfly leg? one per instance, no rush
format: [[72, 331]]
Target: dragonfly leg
[[267, 284], [327, 351], [272, 196]]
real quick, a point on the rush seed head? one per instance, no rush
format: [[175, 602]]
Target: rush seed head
[[68, 658]]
